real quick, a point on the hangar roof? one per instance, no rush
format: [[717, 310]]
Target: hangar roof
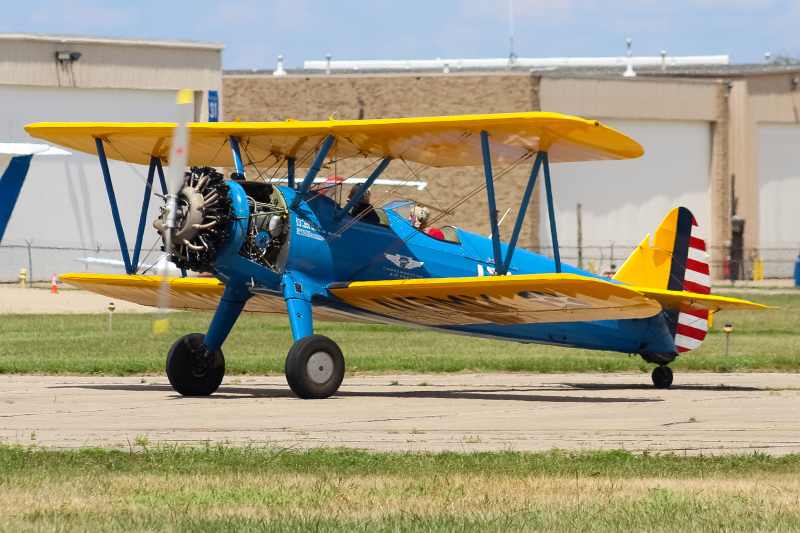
[[695, 66], [167, 43]]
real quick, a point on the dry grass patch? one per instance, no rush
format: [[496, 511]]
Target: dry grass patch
[[372, 497], [248, 489]]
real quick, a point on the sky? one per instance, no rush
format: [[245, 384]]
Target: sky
[[256, 32]]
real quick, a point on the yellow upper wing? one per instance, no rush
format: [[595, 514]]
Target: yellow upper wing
[[436, 141]]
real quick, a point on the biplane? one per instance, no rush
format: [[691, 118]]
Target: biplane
[[293, 249]]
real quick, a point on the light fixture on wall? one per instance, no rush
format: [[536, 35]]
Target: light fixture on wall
[[67, 57]]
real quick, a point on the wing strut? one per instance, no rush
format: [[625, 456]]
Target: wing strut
[[112, 200], [137, 248], [290, 171], [556, 253], [313, 171], [501, 267], [237, 156], [363, 189], [523, 208], [487, 169]]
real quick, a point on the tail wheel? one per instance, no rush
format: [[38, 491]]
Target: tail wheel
[[193, 369], [314, 367], [662, 377]]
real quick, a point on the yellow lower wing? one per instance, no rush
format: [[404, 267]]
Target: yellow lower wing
[[500, 300], [197, 294], [184, 293], [539, 298]]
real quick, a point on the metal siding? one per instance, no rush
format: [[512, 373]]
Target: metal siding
[[779, 197], [621, 98], [622, 201], [26, 62], [63, 202]]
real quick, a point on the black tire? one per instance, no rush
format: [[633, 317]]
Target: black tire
[[662, 377], [192, 369], [324, 379]]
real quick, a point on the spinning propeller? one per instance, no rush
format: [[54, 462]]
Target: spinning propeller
[[175, 179]]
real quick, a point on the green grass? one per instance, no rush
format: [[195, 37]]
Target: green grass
[[81, 344], [272, 489], [222, 460]]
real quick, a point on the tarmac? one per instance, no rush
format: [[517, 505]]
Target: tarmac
[[39, 300], [700, 414]]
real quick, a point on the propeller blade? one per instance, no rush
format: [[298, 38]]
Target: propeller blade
[[178, 157]]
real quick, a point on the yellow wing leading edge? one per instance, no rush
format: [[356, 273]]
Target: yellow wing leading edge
[[436, 141], [526, 299]]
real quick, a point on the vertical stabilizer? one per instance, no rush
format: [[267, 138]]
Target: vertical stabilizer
[[13, 170], [15, 161], [676, 261]]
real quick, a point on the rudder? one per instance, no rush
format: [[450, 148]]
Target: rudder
[[676, 261]]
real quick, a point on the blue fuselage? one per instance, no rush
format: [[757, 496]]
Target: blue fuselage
[[323, 250]]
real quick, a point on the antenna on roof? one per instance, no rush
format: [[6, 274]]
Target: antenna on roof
[[629, 73], [512, 57]]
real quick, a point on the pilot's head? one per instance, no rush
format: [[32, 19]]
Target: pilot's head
[[354, 189]]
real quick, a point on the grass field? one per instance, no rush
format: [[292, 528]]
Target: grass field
[[81, 344], [249, 489]]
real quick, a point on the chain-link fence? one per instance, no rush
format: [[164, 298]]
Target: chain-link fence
[[774, 263], [41, 262]]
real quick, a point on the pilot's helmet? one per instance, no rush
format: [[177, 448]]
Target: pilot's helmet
[[355, 188], [422, 215]]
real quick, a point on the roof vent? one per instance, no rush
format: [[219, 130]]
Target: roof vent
[[279, 71], [327, 63], [629, 73], [663, 60]]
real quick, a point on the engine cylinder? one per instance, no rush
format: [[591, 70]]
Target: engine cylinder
[[202, 220]]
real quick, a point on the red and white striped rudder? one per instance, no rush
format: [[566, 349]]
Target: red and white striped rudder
[[693, 325]]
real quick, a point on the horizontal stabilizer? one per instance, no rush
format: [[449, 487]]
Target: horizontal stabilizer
[[526, 299], [691, 301]]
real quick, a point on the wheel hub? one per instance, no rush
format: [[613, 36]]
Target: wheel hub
[[320, 367], [201, 362]]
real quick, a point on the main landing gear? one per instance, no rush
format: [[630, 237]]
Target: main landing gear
[[314, 367], [193, 369], [662, 377]]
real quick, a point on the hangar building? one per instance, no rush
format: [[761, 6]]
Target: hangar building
[[62, 210], [720, 139]]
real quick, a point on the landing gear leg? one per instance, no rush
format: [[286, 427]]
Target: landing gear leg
[[662, 377], [315, 364]]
